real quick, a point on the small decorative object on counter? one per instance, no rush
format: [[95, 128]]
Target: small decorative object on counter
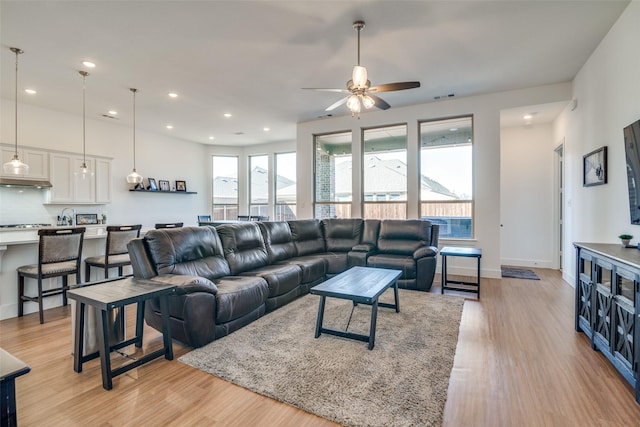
[[104, 218], [625, 239]]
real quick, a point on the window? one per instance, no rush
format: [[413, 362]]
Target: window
[[384, 172], [259, 185], [285, 186], [225, 187], [332, 176], [446, 175]]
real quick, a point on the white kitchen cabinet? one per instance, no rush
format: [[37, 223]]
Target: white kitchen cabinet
[[37, 160], [70, 187], [103, 181]]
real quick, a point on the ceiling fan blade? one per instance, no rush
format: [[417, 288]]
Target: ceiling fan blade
[[379, 102], [388, 87], [336, 104], [326, 89]]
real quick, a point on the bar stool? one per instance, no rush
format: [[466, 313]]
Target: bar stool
[[169, 225], [116, 253], [204, 218], [59, 255]]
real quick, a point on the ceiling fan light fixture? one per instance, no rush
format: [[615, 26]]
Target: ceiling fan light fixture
[[359, 77], [353, 103], [368, 102]]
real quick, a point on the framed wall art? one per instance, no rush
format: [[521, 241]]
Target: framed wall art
[[594, 167]]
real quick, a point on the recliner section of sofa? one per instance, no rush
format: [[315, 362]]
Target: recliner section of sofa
[[230, 275], [410, 246]]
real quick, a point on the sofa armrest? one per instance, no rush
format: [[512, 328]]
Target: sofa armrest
[[363, 247], [188, 284], [425, 251]]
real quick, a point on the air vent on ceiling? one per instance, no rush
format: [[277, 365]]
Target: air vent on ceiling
[[110, 117], [238, 133]]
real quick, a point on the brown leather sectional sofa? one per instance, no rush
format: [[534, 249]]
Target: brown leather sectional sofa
[[230, 275]]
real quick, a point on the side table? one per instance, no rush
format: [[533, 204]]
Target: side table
[[460, 251], [10, 368], [106, 296]]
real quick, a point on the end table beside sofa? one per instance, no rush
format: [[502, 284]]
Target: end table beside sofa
[[230, 275]]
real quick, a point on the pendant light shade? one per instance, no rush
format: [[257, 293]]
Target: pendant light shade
[[84, 171], [134, 177], [15, 166]]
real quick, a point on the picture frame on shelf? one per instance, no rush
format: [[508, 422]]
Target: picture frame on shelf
[[84, 219], [181, 186], [152, 184], [594, 167], [164, 185]]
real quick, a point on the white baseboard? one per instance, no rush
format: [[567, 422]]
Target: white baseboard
[[516, 262]]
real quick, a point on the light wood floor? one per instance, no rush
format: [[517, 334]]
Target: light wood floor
[[519, 362]]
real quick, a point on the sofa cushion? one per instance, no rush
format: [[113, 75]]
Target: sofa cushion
[[342, 234], [280, 278], [313, 267], [403, 237], [307, 236], [278, 240], [238, 296], [395, 262], [193, 251], [243, 246]]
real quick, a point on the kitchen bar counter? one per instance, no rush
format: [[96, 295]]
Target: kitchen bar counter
[[19, 246]]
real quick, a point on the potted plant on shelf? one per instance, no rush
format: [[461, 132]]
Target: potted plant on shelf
[[625, 239]]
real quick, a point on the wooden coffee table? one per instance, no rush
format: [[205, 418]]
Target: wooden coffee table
[[362, 285]]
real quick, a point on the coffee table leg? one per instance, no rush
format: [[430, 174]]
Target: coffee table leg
[[372, 327], [320, 316], [166, 327], [395, 293]]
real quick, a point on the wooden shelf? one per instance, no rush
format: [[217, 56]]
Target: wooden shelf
[[163, 192]]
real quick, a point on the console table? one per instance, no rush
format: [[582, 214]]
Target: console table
[[111, 294], [608, 302]]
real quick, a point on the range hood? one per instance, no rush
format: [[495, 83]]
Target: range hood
[[17, 182]]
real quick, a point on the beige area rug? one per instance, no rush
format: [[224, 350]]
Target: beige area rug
[[403, 381]]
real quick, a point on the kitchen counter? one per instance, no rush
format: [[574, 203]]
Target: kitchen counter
[[17, 236]]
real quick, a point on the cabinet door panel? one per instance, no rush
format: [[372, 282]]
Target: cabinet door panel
[[84, 184], [103, 181], [38, 162], [60, 166]]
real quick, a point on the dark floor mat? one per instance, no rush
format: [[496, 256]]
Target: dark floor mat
[[519, 273]]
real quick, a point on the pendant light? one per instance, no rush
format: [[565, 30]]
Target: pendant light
[[15, 166], [84, 169], [134, 177]]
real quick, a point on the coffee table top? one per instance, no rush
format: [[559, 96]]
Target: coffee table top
[[11, 367], [360, 284]]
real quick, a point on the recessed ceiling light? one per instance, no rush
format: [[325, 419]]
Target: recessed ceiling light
[[172, 95], [112, 112], [527, 117], [211, 138], [266, 129], [30, 91], [169, 126], [89, 64], [227, 115], [453, 129]]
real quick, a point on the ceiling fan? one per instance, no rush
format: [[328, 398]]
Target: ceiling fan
[[359, 87]]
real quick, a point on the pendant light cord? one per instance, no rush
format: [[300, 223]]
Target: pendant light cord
[[17, 52], [134, 126], [84, 139]]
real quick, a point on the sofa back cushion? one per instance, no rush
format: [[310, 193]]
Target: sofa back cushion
[[403, 237], [278, 240], [195, 251], [342, 234], [307, 236], [243, 246]]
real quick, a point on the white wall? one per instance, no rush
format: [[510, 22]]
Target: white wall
[[607, 90], [486, 112], [526, 196]]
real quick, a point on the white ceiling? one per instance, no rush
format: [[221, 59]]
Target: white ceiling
[[252, 58]]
